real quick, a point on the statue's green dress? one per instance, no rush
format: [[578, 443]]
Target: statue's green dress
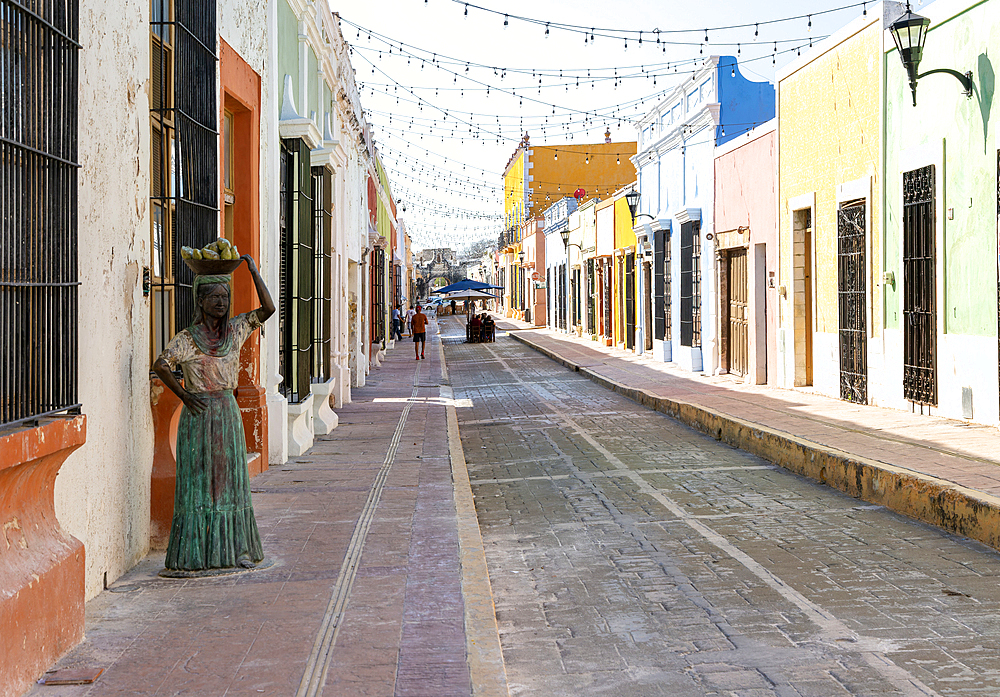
[[213, 525]]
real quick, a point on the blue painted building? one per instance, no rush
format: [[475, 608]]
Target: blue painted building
[[675, 161]]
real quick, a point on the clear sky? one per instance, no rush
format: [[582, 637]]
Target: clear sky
[[447, 167]]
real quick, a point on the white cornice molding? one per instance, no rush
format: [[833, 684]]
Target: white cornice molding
[[680, 92], [322, 157], [687, 215], [300, 128], [707, 116]]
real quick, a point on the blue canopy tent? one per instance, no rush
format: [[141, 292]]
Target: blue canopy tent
[[465, 284]]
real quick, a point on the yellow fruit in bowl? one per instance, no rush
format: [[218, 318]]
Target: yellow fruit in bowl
[[196, 254], [207, 253], [187, 253]]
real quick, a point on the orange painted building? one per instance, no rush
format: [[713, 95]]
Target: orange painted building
[[537, 175]]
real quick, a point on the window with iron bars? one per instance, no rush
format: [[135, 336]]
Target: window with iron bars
[[296, 270], [591, 296], [577, 275], [691, 284], [322, 187], [184, 143], [38, 196], [662, 285]]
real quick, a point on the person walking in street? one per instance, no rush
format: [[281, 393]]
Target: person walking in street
[[409, 320], [397, 320], [454, 307], [419, 333]]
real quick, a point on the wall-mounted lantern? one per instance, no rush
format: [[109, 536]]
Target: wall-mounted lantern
[[910, 32], [632, 199]]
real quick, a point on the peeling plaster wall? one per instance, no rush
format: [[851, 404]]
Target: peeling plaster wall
[[244, 26], [102, 492]]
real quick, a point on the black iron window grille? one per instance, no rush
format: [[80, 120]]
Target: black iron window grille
[[576, 297], [668, 286], [919, 290], [659, 277], [591, 296], [851, 292], [690, 284], [297, 270], [561, 298], [608, 315], [38, 198], [323, 278], [184, 191]]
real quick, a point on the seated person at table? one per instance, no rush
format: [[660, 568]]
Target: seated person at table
[[489, 327], [475, 325]]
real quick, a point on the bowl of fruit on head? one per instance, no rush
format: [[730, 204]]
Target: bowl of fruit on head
[[218, 258]]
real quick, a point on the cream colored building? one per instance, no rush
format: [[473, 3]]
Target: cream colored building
[[829, 154]]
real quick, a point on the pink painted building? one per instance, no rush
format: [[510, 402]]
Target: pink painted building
[[746, 242]]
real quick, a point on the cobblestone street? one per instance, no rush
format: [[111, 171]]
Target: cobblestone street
[[630, 555]]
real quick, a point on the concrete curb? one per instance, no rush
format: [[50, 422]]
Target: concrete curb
[[939, 502], [483, 651]]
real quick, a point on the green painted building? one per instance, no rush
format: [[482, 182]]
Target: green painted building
[[940, 220]]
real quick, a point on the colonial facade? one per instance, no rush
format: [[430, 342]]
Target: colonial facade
[[746, 244], [829, 214], [536, 176], [249, 127], [676, 160], [941, 183]]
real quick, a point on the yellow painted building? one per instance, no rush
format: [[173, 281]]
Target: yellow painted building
[[537, 175], [829, 198], [624, 272]]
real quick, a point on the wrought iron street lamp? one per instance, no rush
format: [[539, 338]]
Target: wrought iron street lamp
[[910, 32], [632, 199]]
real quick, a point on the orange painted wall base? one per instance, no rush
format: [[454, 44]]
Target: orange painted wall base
[[252, 401], [166, 407], [41, 567]]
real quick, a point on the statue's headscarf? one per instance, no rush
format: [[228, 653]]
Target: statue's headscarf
[[210, 345]]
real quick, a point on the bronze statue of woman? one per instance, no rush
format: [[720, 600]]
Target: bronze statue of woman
[[213, 525]]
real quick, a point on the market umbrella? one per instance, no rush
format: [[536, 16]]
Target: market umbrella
[[465, 284], [470, 294]]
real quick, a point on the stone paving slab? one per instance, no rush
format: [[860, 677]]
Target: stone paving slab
[[636, 556], [942, 471], [405, 627]]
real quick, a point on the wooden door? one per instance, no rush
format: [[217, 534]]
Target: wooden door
[[737, 291]]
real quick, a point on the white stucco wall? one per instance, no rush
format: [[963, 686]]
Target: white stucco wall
[[102, 492]]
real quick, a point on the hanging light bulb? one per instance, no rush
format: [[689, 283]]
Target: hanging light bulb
[[618, 160], [466, 9], [555, 155], [588, 158], [505, 22]]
